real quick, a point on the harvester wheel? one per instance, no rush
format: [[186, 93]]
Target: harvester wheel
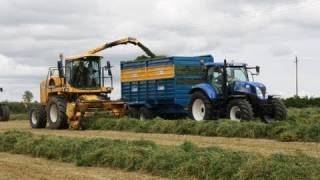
[[200, 107], [279, 110], [4, 112], [240, 109], [146, 114], [38, 117], [56, 113]]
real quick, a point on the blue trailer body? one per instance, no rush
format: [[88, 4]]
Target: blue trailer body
[[164, 94]]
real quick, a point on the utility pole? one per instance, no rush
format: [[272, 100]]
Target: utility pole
[[297, 62]]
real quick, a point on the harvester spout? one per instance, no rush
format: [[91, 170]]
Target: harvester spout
[[124, 41]]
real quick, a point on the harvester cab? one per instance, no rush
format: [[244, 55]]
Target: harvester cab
[[229, 92], [78, 88], [4, 110]]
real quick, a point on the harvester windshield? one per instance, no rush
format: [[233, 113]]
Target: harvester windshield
[[84, 73]]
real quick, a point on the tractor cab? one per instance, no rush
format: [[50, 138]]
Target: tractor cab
[[233, 78]]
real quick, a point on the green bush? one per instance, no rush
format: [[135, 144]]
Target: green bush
[[303, 125], [184, 161], [303, 102]]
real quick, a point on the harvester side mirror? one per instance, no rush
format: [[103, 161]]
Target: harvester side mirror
[[108, 67], [258, 69], [60, 69]]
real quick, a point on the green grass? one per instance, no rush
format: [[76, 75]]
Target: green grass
[[184, 161], [302, 125], [20, 116]]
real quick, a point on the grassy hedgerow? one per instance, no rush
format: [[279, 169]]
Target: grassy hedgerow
[[302, 125], [184, 161]]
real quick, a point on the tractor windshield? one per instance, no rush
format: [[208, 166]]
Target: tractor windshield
[[84, 73], [237, 74]]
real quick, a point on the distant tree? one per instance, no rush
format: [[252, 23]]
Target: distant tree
[[27, 96]]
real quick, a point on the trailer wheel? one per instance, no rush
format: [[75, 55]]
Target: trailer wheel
[[38, 118], [280, 112], [4, 112], [56, 113], [200, 107], [146, 114], [240, 109], [133, 112]]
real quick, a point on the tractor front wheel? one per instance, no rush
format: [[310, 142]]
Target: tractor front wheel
[[56, 113], [239, 110], [278, 113]]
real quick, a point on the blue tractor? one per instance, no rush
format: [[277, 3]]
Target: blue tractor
[[228, 92]]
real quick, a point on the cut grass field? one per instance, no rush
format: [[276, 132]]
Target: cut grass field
[[302, 125], [260, 146], [184, 161], [17, 166]]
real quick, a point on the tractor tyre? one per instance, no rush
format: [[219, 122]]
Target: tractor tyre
[[279, 109], [146, 114], [133, 112], [4, 112], [38, 117], [240, 110], [56, 113], [200, 107]]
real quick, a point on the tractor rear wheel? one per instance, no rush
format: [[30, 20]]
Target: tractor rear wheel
[[239, 110], [200, 107], [56, 113], [38, 117], [4, 112], [146, 114]]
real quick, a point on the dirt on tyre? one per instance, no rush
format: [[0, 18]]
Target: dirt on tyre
[[146, 114], [4, 112], [200, 107], [56, 113], [240, 110], [38, 117]]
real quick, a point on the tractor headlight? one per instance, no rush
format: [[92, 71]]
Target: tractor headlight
[[259, 93]]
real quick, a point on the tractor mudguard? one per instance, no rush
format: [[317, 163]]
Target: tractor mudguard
[[205, 88]]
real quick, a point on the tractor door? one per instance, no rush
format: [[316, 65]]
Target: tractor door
[[215, 78]]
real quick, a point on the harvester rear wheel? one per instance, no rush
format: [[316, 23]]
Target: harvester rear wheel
[[146, 114], [4, 112], [56, 113], [38, 117]]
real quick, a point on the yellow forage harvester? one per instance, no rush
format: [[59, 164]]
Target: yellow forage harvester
[[77, 88]]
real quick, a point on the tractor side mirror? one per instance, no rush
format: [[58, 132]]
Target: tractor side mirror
[[258, 69], [108, 67], [1, 90], [60, 69]]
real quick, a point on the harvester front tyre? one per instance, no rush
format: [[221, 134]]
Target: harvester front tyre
[[146, 114], [56, 113], [240, 110], [4, 112], [200, 107], [280, 112], [38, 118]]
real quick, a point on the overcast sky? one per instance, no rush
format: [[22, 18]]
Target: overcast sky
[[269, 33]]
